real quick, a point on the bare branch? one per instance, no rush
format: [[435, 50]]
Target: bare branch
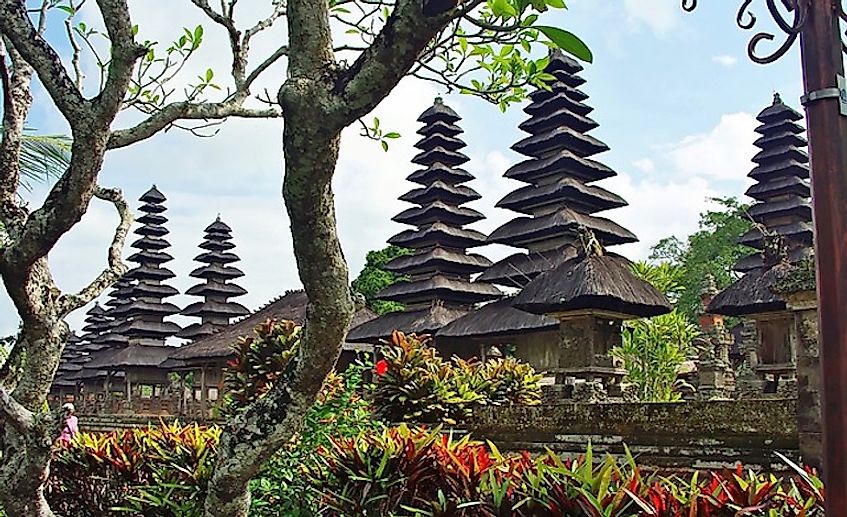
[[78, 75], [116, 267], [264, 65], [17, 415], [18, 29], [171, 113]]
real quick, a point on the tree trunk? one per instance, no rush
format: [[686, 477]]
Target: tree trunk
[[24, 470], [251, 438]]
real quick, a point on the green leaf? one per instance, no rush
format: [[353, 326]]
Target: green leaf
[[558, 4], [209, 75], [393, 134], [198, 33], [568, 42], [384, 145]]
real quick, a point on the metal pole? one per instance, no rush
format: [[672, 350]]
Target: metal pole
[[820, 45]]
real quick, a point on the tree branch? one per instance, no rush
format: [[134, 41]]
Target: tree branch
[[124, 53], [411, 26], [17, 415], [116, 267], [18, 29], [185, 111]]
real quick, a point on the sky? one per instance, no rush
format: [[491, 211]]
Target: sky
[[674, 93]]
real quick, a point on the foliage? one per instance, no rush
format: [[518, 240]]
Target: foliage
[[406, 471], [160, 471], [417, 385], [374, 278], [340, 412], [654, 349], [712, 250], [42, 157], [260, 360]]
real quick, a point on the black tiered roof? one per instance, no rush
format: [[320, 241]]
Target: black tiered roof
[[215, 311], [145, 313], [97, 324], [73, 357], [558, 198], [782, 188], [120, 297], [439, 270]]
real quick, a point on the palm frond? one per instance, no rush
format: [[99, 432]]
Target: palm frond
[[43, 157]]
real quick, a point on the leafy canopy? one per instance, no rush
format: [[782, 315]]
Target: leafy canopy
[[374, 277]]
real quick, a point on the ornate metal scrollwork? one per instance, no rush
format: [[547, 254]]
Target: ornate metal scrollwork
[[789, 16]]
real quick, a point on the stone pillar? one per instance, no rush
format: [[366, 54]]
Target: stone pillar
[[797, 287], [585, 342]]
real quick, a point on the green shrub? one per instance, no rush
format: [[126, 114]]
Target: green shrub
[[341, 412], [405, 471], [161, 471], [414, 384]]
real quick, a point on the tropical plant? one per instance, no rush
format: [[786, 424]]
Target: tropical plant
[[161, 471], [654, 349], [414, 384], [339, 412], [42, 157], [260, 361]]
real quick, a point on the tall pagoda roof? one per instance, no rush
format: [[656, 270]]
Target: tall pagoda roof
[[439, 269], [782, 191], [557, 199], [142, 315], [216, 309], [498, 318]]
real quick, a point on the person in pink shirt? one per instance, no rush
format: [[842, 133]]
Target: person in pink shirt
[[71, 424]]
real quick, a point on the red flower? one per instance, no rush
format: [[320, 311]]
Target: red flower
[[381, 367]]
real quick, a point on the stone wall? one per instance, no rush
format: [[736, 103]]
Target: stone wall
[[104, 423], [663, 435]]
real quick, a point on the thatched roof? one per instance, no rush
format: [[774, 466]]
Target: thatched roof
[[592, 282], [424, 321], [496, 319], [291, 306], [751, 294], [131, 356], [519, 269]]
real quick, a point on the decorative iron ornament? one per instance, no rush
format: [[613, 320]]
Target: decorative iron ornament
[[789, 17]]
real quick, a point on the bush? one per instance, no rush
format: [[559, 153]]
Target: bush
[[405, 471], [414, 384], [161, 471], [340, 411]]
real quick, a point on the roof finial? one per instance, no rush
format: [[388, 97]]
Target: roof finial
[[439, 100], [218, 219], [776, 98]]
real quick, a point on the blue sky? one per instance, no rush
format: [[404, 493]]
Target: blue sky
[[674, 93]]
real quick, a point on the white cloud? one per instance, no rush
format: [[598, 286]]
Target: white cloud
[[645, 165], [660, 16], [724, 153], [725, 60]]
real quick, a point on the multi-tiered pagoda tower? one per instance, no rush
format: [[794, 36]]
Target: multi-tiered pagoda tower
[[438, 288], [97, 324], [782, 189], [120, 297], [147, 310], [558, 198], [216, 310]]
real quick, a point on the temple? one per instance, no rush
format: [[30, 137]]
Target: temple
[[437, 289], [558, 201], [782, 240]]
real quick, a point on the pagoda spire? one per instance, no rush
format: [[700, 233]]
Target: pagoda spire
[[558, 199], [120, 298], [216, 310], [96, 325], [146, 311], [438, 287], [782, 190]]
